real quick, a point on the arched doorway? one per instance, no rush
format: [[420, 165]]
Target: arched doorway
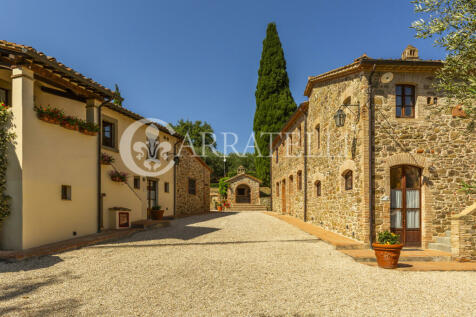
[[243, 194], [405, 203]]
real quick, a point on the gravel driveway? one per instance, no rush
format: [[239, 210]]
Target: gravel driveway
[[225, 264]]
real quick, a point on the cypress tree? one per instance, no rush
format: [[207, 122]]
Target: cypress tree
[[117, 97], [274, 102]]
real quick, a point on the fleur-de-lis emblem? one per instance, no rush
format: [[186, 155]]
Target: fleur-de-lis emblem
[[152, 149]]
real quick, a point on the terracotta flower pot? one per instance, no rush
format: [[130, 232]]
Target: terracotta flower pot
[[157, 214], [219, 208], [387, 254], [87, 132]]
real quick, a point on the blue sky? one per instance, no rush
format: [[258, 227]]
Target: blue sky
[[199, 59]]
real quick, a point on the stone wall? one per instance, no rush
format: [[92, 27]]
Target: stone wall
[[336, 151], [288, 198], [190, 167], [463, 234], [244, 180], [435, 141]]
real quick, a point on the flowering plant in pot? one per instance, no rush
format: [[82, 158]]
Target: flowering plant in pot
[[106, 159], [49, 114], [119, 177], [88, 128], [156, 212], [387, 249], [70, 123]]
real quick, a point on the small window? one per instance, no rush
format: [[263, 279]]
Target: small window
[[166, 187], [137, 182], [318, 136], [348, 180], [405, 101], [428, 100], [318, 188], [299, 180], [291, 184], [277, 189], [435, 101], [192, 186], [4, 96], [65, 192], [299, 135], [277, 155], [108, 137]]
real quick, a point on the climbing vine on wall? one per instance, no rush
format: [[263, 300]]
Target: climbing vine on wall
[[7, 137]]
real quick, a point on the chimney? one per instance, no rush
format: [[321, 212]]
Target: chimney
[[410, 53]]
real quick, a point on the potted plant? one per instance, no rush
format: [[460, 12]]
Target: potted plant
[[226, 204], [88, 128], [119, 177], [70, 123], [106, 159], [156, 212], [218, 206], [387, 249], [48, 114]]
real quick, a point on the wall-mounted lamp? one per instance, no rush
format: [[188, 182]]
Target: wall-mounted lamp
[[340, 115]]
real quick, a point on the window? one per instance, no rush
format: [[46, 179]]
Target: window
[[291, 184], [277, 189], [277, 155], [317, 184], [405, 101], [137, 182], [4, 96], [65, 192], [348, 180], [192, 186], [318, 136], [108, 134], [299, 135], [291, 143], [299, 180], [166, 187]]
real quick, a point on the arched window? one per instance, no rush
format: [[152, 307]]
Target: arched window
[[317, 186], [299, 180], [318, 136], [348, 181]]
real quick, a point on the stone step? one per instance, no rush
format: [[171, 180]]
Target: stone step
[[444, 240], [439, 246]]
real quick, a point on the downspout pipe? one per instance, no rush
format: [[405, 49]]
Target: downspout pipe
[[371, 152], [99, 176], [176, 162], [305, 167]]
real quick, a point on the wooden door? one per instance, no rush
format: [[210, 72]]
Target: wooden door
[[283, 196], [152, 195], [405, 204]]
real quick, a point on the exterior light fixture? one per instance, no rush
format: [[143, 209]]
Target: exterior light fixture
[[340, 115], [339, 118]]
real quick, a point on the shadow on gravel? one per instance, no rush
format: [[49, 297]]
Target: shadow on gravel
[[203, 243], [66, 307], [30, 264], [181, 228]]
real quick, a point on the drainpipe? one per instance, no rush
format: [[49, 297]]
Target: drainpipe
[[371, 167], [176, 160], [99, 176], [305, 167]]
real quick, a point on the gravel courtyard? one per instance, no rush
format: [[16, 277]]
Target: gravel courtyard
[[225, 264]]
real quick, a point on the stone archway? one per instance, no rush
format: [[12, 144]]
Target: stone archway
[[243, 194]]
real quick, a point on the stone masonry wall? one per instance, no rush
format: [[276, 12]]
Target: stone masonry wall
[[338, 150], [285, 170], [463, 234], [191, 167], [435, 141]]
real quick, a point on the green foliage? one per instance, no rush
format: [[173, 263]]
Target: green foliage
[[469, 188], [453, 25], [7, 138], [57, 116], [233, 161], [274, 102], [387, 237], [117, 96], [223, 187], [195, 130]]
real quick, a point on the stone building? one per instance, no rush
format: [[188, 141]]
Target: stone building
[[244, 191], [399, 166]]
